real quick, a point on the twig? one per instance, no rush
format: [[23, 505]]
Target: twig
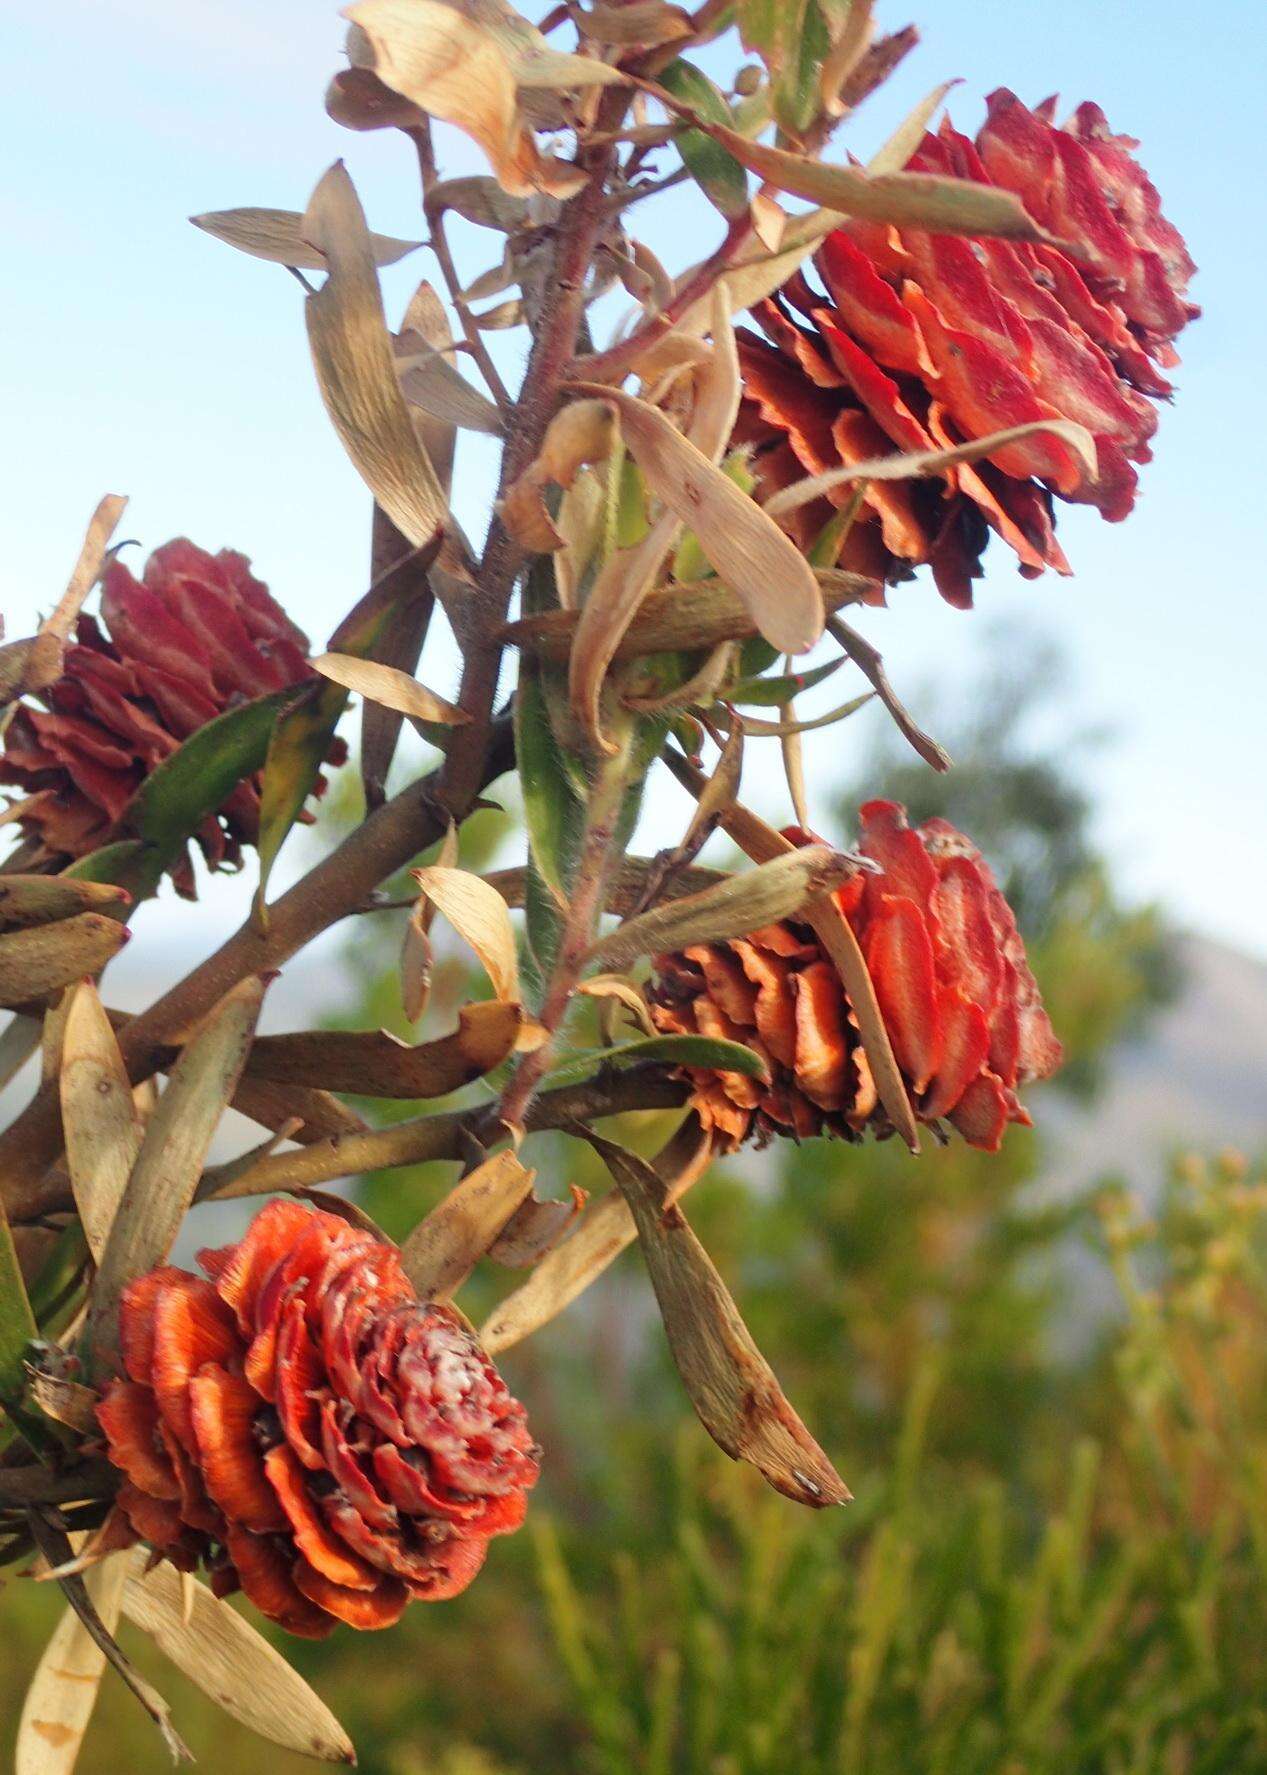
[[868, 660], [423, 145], [446, 1136]]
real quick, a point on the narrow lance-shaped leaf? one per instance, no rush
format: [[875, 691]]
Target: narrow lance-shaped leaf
[[741, 903], [36, 962], [389, 686], [602, 1232], [478, 914], [732, 1387], [278, 235], [914, 463], [443, 1249], [744, 546], [356, 372], [907, 200], [17, 1321], [35, 662], [718, 174], [101, 1127], [232, 1663], [893, 155], [200, 775], [63, 1692], [416, 954], [170, 1161], [54, 1544], [27, 900], [399, 643], [713, 1053], [372, 1063]]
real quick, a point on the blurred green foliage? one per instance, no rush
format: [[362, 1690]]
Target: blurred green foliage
[[1056, 1556]]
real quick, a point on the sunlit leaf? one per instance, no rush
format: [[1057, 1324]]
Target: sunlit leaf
[[356, 372], [35, 962], [717, 173], [63, 1692], [229, 1661], [278, 235], [170, 1161], [741, 903], [443, 1249], [478, 914]]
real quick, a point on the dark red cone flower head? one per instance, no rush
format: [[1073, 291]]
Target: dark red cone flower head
[[309, 1430], [959, 1002], [196, 635], [916, 341]]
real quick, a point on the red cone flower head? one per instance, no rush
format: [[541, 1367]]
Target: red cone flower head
[[195, 636], [309, 1430], [920, 341], [958, 1000]]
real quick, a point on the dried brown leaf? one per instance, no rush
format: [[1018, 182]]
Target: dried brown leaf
[[442, 1250], [391, 688], [229, 1661], [169, 1164], [733, 1389], [459, 69], [372, 1063], [102, 1129], [63, 1691], [478, 914], [279, 236], [602, 1232], [36, 962], [352, 354], [535, 1228], [908, 465]]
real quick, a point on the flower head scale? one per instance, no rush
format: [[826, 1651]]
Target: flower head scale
[[918, 341], [309, 1430], [196, 635], [948, 966]]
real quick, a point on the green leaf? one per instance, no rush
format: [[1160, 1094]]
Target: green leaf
[[718, 174], [792, 39], [551, 809], [774, 692], [665, 1050], [296, 750], [17, 1321], [631, 504], [203, 773]]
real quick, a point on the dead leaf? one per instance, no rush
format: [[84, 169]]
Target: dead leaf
[[63, 1691], [391, 688], [443, 1249], [478, 914], [429, 380], [278, 235], [36, 962], [733, 1389], [744, 546], [169, 1164], [415, 949], [457, 68], [533, 1229], [908, 465], [372, 1063], [102, 1129], [229, 1661], [893, 155], [356, 372], [601, 1233]]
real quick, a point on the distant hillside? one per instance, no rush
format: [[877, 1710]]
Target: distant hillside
[[1199, 1079]]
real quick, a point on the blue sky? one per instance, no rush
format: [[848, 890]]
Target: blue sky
[[138, 356]]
